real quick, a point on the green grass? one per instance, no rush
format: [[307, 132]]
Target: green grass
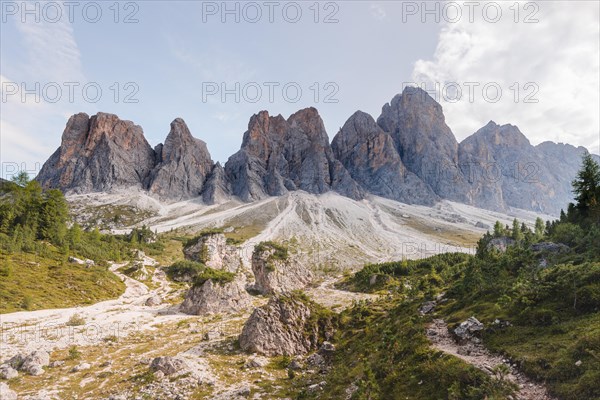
[[383, 350], [105, 216], [183, 269], [33, 282], [554, 332], [546, 349]]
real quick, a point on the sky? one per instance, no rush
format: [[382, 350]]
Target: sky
[[215, 64]]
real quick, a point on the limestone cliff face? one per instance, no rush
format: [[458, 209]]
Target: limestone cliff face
[[370, 156], [213, 297], [279, 155], [409, 154], [183, 165], [425, 143], [103, 153], [213, 251], [507, 171], [98, 154]]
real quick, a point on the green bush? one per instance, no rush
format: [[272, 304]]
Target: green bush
[[180, 270], [280, 251], [218, 276]]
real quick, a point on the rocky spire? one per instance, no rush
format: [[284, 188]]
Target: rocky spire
[[99, 153], [279, 155], [184, 164], [370, 155]]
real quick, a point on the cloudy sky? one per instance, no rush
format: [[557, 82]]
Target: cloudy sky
[[534, 65]]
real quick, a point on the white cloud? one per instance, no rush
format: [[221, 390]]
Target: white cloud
[[52, 51], [52, 55], [559, 54]]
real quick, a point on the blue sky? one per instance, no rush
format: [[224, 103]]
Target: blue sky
[[172, 55]]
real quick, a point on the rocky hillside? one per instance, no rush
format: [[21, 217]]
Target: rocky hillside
[[408, 154]]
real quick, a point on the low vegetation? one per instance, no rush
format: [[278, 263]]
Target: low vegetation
[[197, 273], [280, 252], [548, 297], [39, 244]]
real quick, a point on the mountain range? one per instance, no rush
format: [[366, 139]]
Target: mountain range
[[408, 154]]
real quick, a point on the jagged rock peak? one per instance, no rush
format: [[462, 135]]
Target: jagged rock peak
[[425, 143], [98, 153], [499, 135], [279, 155], [184, 164], [370, 156]]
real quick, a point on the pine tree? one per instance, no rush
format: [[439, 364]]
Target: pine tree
[[586, 188], [539, 228], [21, 179], [498, 229], [53, 217], [516, 231]]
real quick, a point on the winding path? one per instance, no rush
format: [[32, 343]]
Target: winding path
[[26, 331], [477, 355]]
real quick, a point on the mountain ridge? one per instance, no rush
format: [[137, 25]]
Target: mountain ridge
[[408, 154]]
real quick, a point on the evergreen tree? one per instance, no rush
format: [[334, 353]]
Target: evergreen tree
[[53, 217], [539, 228], [586, 188], [498, 229], [21, 179], [516, 231]]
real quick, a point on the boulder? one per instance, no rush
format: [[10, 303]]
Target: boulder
[[427, 307], [467, 329], [213, 334], [16, 361], [500, 244], [153, 301], [288, 324], [212, 250], [6, 393], [8, 372], [256, 362], [33, 363], [169, 365], [81, 367], [549, 247]]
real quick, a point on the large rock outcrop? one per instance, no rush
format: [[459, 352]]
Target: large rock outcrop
[[507, 171], [183, 165], [425, 143], [214, 297], [275, 271], [287, 325], [279, 155], [216, 189], [370, 156], [409, 155], [99, 153], [212, 250]]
